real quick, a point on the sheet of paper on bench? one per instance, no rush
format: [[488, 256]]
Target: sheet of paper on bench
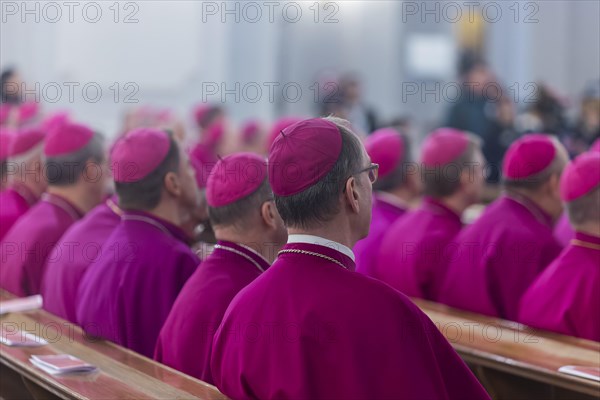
[[61, 364], [592, 373], [22, 304], [18, 338]]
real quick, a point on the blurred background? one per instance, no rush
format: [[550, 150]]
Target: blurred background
[[498, 69]]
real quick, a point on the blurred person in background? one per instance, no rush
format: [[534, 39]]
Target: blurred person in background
[[251, 137], [15, 111], [73, 163], [26, 180], [545, 112], [480, 109], [11, 87], [500, 255], [198, 227], [587, 127], [361, 116], [153, 117], [398, 189], [205, 115]]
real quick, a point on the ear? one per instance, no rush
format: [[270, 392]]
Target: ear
[[351, 194], [553, 185], [172, 184], [268, 214]]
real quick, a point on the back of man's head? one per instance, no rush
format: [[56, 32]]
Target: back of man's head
[[452, 162], [73, 154], [580, 190], [532, 166], [309, 164]]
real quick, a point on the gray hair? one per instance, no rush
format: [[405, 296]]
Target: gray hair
[[584, 209], [238, 214], [67, 169], [438, 183]]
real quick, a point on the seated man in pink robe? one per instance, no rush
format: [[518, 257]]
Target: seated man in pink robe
[[310, 327], [415, 250], [564, 298], [501, 254], [397, 189], [74, 156], [563, 230], [250, 232], [81, 246], [27, 181], [198, 226], [126, 295]]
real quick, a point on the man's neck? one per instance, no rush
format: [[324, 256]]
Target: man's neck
[[80, 199], [167, 212], [337, 234], [405, 196], [456, 203], [589, 228], [535, 199], [265, 248]]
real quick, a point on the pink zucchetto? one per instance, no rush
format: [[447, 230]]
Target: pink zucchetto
[[214, 134], [595, 146], [528, 156], [66, 139], [206, 114], [303, 154], [386, 148], [580, 177], [443, 146], [201, 112], [55, 121], [203, 160], [28, 111], [234, 178], [138, 153], [250, 131], [26, 140], [280, 125]]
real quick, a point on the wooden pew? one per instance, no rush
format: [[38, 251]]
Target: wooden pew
[[514, 361], [122, 373]]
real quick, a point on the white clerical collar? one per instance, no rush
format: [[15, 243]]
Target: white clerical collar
[[312, 239]]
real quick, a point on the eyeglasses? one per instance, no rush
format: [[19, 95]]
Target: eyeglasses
[[373, 171]]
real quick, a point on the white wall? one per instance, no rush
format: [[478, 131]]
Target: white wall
[[171, 54]]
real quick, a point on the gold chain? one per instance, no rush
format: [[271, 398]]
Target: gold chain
[[310, 253], [581, 243], [239, 253], [114, 208]]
